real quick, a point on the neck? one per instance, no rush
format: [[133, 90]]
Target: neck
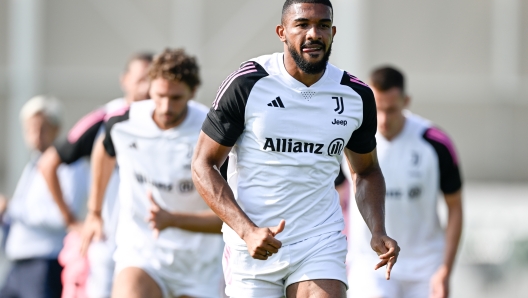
[[129, 99], [397, 129], [297, 73]]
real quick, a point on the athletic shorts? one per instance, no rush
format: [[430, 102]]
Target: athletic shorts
[[101, 275], [320, 257], [177, 272], [373, 285]]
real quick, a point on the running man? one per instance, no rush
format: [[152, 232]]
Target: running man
[[419, 161], [79, 143], [285, 120], [165, 245]]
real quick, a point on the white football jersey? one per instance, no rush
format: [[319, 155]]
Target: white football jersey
[[288, 141], [151, 159], [417, 165]]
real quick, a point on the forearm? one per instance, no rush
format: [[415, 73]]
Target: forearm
[[370, 199], [205, 222], [453, 234], [102, 167], [48, 166], [218, 195]]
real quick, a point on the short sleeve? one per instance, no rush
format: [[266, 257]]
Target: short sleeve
[[225, 121], [450, 178], [363, 139], [107, 141], [81, 137]]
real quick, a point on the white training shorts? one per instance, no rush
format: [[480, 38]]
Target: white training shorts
[[177, 272], [368, 284], [320, 257], [101, 275]]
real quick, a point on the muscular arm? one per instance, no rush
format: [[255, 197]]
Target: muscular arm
[[369, 188], [454, 228], [203, 222], [208, 157], [440, 280], [102, 167], [370, 199], [48, 166]]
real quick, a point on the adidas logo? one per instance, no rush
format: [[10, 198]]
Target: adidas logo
[[133, 145], [277, 102]]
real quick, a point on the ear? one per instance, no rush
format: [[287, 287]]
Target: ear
[[407, 101], [280, 32], [334, 31], [193, 92]]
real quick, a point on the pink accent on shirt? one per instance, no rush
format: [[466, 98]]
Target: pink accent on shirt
[[84, 124], [229, 83], [353, 79], [118, 112], [439, 136]]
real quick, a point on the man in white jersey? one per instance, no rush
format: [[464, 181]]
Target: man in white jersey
[[79, 144], [285, 120], [418, 162], [153, 143]]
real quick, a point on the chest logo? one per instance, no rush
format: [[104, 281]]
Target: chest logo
[[186, 186], [288, 145], [340, 106], [277, 103], [339, 122], [336, 147]]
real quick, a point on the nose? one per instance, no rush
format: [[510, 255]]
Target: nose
[[314, 33]]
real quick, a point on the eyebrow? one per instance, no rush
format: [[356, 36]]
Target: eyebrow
[[306, 20]]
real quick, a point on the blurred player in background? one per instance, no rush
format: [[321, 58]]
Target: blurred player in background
[[79, 143], [164, 243], [286, 120], [37, 227], [418, 161]]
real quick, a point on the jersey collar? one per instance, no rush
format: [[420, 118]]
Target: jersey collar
[[294, 83]]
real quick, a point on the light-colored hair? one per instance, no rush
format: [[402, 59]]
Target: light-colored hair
[[49, 106]]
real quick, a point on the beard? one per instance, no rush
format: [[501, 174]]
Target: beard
[[308, 67]]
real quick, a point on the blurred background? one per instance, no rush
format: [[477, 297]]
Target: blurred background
[[466, 63]]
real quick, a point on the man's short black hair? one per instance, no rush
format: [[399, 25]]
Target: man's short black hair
[[387, 77], [289, 3]]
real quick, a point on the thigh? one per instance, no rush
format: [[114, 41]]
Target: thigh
[[322, 288], [319, 258], [132, 282]]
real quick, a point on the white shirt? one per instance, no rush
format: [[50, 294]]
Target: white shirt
[[417, 165], [160, 161], [37, 226], [288, 142]]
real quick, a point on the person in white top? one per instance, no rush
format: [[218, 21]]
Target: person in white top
[[79, 144], [165, 239], [37, 228], [286, 120], [419, 162]]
